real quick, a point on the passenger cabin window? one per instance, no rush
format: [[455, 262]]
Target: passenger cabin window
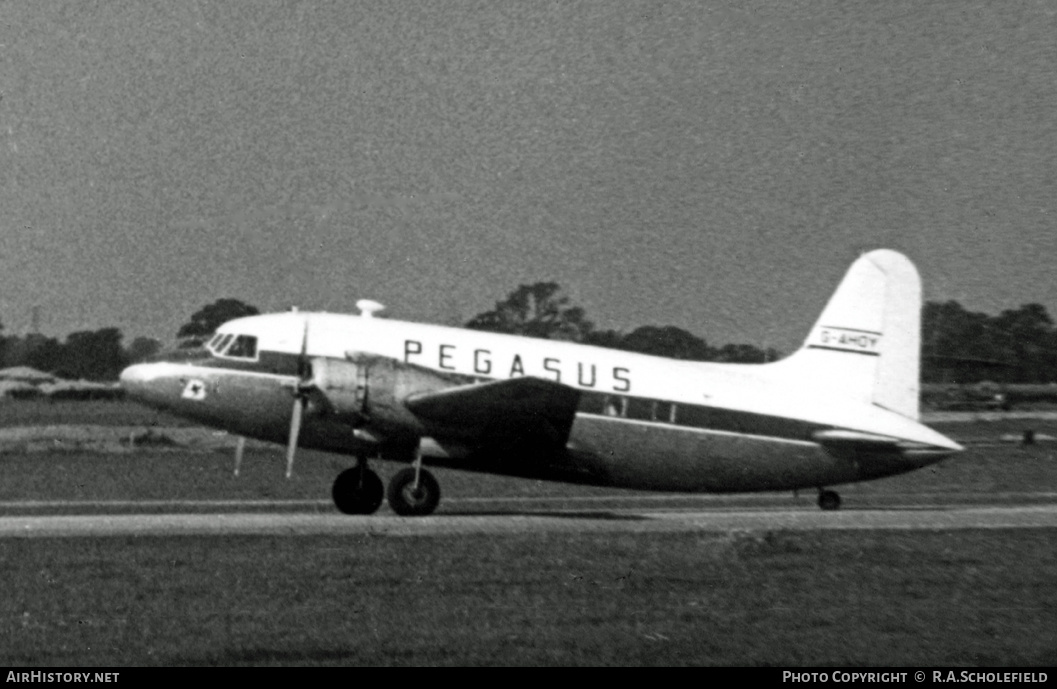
[[638, 408], [592, 402], [697, 417], [243, 347], [664, 412]]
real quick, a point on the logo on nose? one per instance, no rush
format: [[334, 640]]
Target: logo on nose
[[194, 390]]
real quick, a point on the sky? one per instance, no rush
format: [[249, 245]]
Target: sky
[[715, 166]]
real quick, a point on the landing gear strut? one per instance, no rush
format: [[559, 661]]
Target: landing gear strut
[[413, 492], [358, 490], [828, 500]]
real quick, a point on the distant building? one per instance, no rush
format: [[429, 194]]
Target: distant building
[[23, 382], [25, 374]]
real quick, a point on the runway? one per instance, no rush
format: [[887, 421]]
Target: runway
[[515, 520]]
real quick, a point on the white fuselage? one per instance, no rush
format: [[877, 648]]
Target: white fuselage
[[643, 422]]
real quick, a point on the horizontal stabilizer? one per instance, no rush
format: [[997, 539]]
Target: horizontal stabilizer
[[529, 410], [856, 439], [931, 444]]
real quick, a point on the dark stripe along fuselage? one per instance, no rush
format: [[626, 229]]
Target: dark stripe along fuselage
[[616, 439]]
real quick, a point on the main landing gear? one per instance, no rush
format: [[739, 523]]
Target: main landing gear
[[413, 492], [358, 490], [828, 500]]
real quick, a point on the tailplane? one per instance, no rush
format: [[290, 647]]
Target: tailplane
[[866, 344]]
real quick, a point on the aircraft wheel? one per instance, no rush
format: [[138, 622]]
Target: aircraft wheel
[[351, 496], [408, 501], [828, 500]]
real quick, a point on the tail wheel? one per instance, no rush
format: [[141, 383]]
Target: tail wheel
[[828, 500], [409, 500], [357, 491]]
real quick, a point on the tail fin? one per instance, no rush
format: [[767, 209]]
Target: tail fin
[[866, 345]]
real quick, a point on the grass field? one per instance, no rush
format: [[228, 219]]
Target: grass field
[[44, 412], [166, 474], [984, 597], [172, 473], [778, 598]]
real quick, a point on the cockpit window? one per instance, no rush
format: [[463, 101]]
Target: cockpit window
[[214, 340], [244, 347], [218, 347]]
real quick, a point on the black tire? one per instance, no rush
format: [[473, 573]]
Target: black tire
[[829, 500], [353, 497], [406, 501]]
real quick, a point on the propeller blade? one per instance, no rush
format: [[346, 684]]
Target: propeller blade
[[304, 369], [295, 430], [301, 388]]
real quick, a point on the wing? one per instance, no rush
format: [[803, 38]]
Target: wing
[[529, 411]]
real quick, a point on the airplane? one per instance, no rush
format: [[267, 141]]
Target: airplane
[[843, 408]]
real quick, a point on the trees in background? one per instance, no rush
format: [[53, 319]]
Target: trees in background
[[93, 355], [746, 354], [541, 310], [537, 310], [142, 348], [87, 354], [1016, 346], [98, 355], [668, 341], [207, 319], [37, 351]]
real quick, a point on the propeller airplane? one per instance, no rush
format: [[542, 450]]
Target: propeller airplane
[[843, 408]]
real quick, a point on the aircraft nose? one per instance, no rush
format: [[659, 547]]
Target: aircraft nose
[[133, 375], [139, 380], [132, 379]]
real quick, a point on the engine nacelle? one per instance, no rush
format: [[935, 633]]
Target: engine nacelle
[[344, 385], [368, 392]]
